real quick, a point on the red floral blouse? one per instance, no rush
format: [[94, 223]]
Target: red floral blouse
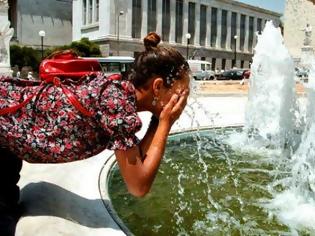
[[50, 129]]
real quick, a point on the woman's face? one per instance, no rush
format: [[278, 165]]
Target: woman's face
[[178, 87]]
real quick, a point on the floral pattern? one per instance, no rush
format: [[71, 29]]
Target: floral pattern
[[50, 129]]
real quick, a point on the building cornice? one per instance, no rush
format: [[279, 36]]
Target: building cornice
[[250, 7]]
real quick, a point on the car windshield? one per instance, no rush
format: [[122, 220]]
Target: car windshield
[[240, 72]]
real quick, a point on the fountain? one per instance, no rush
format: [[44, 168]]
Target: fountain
[[210, 185], [6, 34], [270, 115]]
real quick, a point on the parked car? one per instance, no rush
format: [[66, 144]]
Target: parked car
[[201, 70], [235, 74], [114, 64], [301, 72]]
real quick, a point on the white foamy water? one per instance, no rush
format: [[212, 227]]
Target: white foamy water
[[295, 206], [274, 123], [270, 113]]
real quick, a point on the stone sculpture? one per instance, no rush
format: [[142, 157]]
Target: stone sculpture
[[6, 34]]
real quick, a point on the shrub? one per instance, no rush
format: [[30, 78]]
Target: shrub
[[24, 56], [84, 48]]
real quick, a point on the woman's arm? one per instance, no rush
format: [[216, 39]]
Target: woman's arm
[[139, 171]]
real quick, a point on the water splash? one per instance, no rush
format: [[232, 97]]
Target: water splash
[[270, 113], [300, 186]]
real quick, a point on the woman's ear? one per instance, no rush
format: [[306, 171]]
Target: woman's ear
[[157, 85]]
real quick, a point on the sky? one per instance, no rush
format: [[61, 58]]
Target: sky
[[273, 5]]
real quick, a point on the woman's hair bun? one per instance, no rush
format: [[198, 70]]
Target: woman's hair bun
[[151, 41]]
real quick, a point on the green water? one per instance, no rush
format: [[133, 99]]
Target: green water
[[203, 188]]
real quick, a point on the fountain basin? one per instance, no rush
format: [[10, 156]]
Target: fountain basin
[[204, 187]]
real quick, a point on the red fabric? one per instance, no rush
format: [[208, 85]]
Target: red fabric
[[63, 66], [67, 65], [50, 129]]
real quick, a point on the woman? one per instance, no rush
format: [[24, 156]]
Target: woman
[[50, 129]]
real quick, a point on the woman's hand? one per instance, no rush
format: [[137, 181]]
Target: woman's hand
[[139, 165], [174, 108]]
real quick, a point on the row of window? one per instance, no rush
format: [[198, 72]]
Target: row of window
[[179, 10]]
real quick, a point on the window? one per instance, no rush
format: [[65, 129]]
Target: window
[[136, 18], [223, 28], [259, 25], [90, 11], [251, 33], [84, 12], [233, 30], [242, 64], [203, 24], [179, 21], [242, 36], [223, 64], [151, 15], [213, 61], [97, 10], [234, 63], [203, 67], [214, 13], [208, 67], [166, 20], [191, 20]]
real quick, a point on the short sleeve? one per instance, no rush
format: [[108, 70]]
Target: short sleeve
[[117, 114]]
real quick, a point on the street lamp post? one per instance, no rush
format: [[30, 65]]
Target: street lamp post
[[42, 34], [235, 44], [188, 36], [120, 14]]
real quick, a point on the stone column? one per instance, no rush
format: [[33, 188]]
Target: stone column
[[263, 24], [228, 35], [93, 11], [6, 34], [255, 33], [197, 25], [159, 16], [185, 22], [87, 13], [246, 49], [208, 34], [129, 19], [144, 26], [238, 33], [219, 19], [173, 20]]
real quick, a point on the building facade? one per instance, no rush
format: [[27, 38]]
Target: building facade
[[28, 17], [222, 32], [299, 22]]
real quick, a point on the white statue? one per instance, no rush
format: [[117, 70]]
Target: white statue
[[6, 34], [308, 35]]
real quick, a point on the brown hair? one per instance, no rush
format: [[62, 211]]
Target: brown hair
[[157, 60]]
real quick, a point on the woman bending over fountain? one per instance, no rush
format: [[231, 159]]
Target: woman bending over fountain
[[49, 129]]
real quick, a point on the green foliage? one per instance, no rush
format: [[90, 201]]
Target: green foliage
[[27, 56], [24, 56], [84, 48]]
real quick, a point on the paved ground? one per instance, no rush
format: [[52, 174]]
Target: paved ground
[[231, 87]]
